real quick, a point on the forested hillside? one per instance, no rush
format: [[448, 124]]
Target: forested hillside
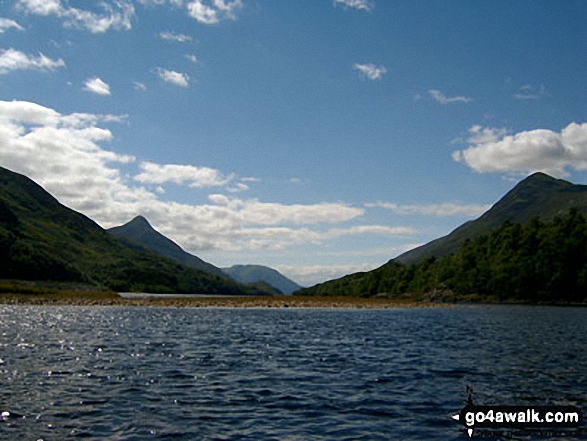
[[536, 262]]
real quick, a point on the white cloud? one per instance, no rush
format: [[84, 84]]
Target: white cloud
[[238, 187], [254, 212], [6, 23], [64, 154], [40, 7], [370, 71], [192, 58], [276, 236], [440, 210], [370, 229], [196, 177], [116, 14], [367, 5], [161, 2], [443, 99], [172, 36], [119, 14], [97, 86], [11, 59], [213, 11], [526, 152], [484, 135], [176, 78]]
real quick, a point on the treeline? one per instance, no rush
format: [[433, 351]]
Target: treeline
[[532, 262]]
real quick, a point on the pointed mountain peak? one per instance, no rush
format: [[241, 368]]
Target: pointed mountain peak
[[539, 195], [542, 179], [540, 175], [140, 221], [140, 230]]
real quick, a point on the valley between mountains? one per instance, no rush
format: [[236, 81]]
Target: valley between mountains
[[531, 246]]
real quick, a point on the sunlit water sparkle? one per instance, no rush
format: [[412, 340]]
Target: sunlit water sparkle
[[116, 373]]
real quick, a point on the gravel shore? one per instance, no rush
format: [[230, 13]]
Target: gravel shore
[[112, 299]]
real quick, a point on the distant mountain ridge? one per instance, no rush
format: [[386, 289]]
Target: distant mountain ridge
[[539, 195], [257, 273], [140, 230]]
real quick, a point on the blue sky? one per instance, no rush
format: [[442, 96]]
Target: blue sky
[[318, 137]]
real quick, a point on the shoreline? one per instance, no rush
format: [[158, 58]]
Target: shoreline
[[113, 299], [105, 298]]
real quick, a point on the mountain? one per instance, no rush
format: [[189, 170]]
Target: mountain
[[534, 262], [141, 231], [539, 195], [248, 274], [531, 246], [42, 240]]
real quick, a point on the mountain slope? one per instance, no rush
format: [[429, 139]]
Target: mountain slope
[[534, 262], [539, 195], [256, 273], [141, 231], [530, 246], [40, 239]]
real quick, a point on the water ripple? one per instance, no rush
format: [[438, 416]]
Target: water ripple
[[103, 373]]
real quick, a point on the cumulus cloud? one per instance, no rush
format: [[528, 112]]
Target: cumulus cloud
[[192, 58], [65, 154], [440, 97], [440, 210], [493, 150], [119, 14], [213, 11], [367, 5], [11, 59], [172, 36], [172, 77], [255, 212], [62, 153], [261, 235], [196, 177], [116, 14], [97, 86], [6, 23], [370, 71]]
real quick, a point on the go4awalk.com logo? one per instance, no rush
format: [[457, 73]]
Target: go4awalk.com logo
[[519, 417], [530, 418]]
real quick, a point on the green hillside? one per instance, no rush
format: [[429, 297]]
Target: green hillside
[[531, 262], [539, 195], [40, 239], [530, 246]]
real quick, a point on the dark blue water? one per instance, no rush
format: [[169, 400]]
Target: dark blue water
[[113, 373]]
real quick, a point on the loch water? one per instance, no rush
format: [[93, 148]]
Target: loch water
[[132, 373]]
